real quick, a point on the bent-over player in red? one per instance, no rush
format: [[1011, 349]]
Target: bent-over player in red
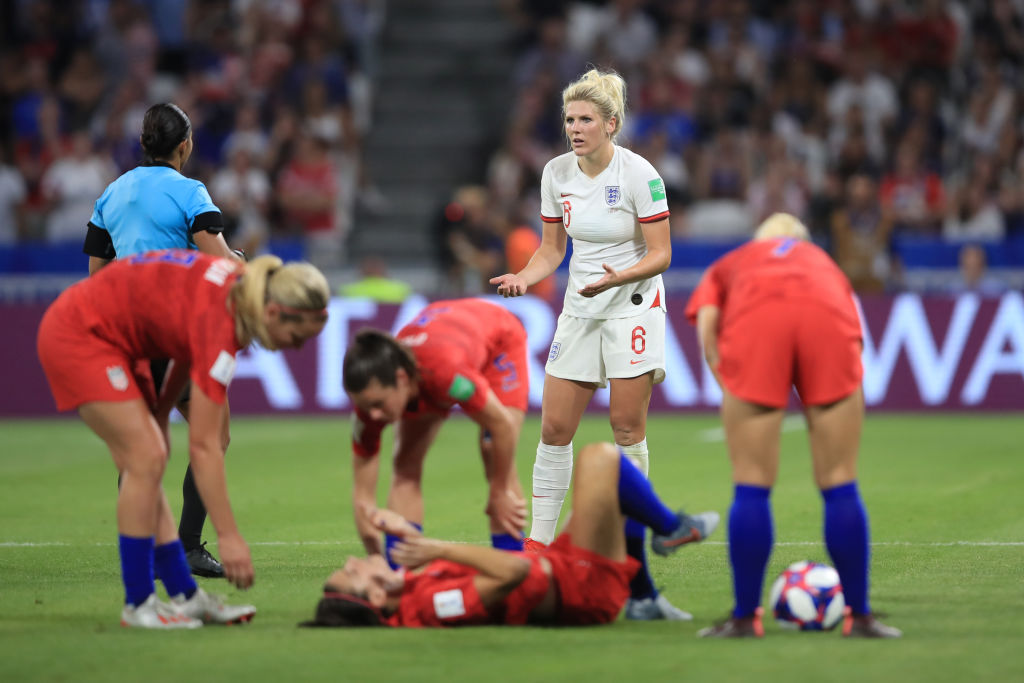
[[580, 579], [774, 314], [464, 352], [95, 342]]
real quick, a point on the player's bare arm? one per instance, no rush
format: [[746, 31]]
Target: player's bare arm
[[390, 522], [707, 333], [207, 458], [544, 262], [364, 497], [96, 264], [213, 243], [658, 237], [499, 571], [506, 508]]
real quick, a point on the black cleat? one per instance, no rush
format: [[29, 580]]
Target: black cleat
[[202, 563]]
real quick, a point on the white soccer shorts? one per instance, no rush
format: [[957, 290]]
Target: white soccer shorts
[[594, 350]]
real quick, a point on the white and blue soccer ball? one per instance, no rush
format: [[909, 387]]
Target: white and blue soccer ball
[[808, 596]]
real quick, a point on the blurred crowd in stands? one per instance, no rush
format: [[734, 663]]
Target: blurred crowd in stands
[[873, 120], [278, 91]]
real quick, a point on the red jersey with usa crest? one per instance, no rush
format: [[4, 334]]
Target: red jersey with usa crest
[[165, 304], [464, 348], [590, 588]]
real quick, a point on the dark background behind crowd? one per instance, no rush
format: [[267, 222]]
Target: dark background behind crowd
[[892, 128]]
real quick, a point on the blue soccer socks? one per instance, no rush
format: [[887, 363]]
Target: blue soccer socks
[[506, 542], [389, 543], [172, 568], [751, 535], [638, 500], [848, 541], [137, 568]]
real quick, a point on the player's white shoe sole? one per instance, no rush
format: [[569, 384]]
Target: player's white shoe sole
[[155, 614], [210, 609], [653, 609]]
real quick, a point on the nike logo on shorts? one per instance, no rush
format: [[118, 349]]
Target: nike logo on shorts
[[634, 362]]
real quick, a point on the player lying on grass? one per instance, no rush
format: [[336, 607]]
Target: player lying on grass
[[580, 579]]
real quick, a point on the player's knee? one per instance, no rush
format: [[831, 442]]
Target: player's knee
[[628, 424], [835, 474], [628, 435], [556, 431], [408, 472], [148, 463], [595, 457]]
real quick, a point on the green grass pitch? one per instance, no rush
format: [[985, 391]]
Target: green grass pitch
[[943, 493]]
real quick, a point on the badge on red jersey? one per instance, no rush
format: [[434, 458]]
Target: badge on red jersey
[[118, 378], [449, 604], [461, 389], [223, 368]]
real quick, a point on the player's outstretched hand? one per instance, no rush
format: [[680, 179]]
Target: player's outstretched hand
[[509, 284], [608, 280], [508, 511], [235, 558], [416, 551], [390, 522]]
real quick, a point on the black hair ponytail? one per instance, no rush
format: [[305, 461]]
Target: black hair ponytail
[[164, 127]]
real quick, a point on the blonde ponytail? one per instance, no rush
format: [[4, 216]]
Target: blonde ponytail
[[782, 225], [266, 278], [606, 90]]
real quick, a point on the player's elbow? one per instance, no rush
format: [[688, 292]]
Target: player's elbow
[[662, 259], [515, 572]]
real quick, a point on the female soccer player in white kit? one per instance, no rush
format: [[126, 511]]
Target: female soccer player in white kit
[[612, 326]]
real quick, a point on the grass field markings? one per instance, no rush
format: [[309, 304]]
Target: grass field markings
[[783, 544], [790, 423]]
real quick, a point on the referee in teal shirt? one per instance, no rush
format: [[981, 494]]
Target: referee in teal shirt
[[155, 207]]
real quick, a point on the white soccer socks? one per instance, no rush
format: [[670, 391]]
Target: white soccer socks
[[638, 454], [552, 473]]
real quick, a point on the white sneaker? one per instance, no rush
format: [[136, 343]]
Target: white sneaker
[[155, 614], [651, 609], [211, 609]]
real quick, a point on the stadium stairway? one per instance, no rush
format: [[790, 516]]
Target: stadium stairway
[[441, 105]]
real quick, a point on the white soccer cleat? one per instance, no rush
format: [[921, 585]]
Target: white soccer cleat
[[652, 609], [210, 609], [155, 614]]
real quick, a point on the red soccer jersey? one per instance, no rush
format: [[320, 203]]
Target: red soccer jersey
[[169, 304], [591, 588], [463, 348], [443, 594], [775, 269]]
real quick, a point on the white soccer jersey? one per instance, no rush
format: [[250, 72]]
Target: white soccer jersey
[[602, 215]]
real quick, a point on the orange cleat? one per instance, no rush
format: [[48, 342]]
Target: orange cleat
[[532, 546]]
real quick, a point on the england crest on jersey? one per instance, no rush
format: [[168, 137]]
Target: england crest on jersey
[[555, 348], [611, 195]]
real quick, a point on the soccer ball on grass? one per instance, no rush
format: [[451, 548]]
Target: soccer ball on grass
[[807, 596]]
